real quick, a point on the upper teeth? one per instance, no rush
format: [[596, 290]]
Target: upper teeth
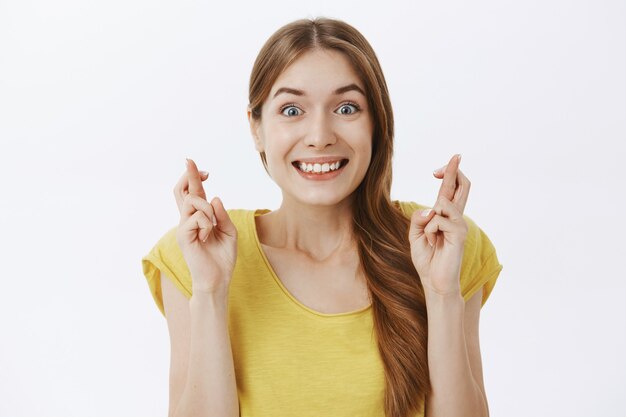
[[325, 167]]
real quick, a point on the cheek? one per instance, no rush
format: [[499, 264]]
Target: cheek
[[359, 137], [275, 136], [367, 159], [281, 130], [357, 129], [364, 149]]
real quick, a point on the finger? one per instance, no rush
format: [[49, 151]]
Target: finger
[[448, 187], [224, 224], [203, 177], [198, 226], [462, 192], [180, 189], [419, 220], [448, 209], [183, 181], [195, 184], [443, 228], [439, 171], [431, 230], [193, 203]]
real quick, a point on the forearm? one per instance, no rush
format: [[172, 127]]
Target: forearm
[[211, 388], [455, 392]]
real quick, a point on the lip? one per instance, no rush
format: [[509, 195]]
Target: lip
[[320, 159]]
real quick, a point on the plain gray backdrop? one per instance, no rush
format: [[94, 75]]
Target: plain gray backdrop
[[101, 101]]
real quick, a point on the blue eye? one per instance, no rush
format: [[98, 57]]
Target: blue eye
[[290, 112], [348, 105]]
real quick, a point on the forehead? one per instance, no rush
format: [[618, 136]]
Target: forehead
[[319, 71]]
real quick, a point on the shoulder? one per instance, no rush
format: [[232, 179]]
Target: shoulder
[[166, 257], [238, 215], [480, 266]]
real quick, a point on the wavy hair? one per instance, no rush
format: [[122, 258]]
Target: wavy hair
[[381, 229]]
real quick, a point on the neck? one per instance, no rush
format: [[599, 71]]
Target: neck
[[318, 232]]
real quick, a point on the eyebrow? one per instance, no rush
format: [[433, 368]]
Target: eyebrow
[[338, 91]]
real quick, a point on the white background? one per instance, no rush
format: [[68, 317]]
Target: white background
[[101, 101]]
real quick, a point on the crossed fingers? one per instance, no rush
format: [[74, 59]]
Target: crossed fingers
[[455, 186]]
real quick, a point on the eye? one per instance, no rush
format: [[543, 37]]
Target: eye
[[355, 108], [292, 110]]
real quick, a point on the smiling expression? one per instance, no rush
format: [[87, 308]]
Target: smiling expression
[[316, 112]]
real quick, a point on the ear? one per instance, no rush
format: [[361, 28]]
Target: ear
[[255, 126]]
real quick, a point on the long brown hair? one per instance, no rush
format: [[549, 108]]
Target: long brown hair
[[381, 229]]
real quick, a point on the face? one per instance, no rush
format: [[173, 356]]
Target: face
[[315, 116]]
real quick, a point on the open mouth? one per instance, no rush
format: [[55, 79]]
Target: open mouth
[[320, 168]]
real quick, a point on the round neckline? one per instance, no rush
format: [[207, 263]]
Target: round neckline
[[252, 224]]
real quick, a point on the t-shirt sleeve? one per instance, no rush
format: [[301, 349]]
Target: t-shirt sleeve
[[480, 267], [167, 257]]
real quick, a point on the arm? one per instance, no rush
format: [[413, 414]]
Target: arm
[[454, 357], [202, 376]]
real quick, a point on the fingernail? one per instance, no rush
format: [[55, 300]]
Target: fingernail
[[204, 173], [439, 169], [214, 221], [425, 213], [186, 163], [459, 157]]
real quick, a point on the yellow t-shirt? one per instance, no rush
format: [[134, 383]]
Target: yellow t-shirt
[[291, 360]]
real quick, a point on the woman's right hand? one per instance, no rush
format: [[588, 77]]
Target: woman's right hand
[[209, 250]]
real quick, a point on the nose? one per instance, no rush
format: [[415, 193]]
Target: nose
[[320, 132]]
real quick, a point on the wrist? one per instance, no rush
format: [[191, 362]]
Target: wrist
[[452, 296], [208, 298], [207, 308]]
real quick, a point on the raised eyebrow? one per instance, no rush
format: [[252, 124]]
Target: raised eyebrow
[[340, 90]]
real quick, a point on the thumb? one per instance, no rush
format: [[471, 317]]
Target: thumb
[[223, 220], [419, 220]]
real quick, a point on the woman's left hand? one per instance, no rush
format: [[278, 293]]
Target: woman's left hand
[[439, 265]]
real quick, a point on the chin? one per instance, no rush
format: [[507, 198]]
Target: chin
[[317, 199], [334, 199]]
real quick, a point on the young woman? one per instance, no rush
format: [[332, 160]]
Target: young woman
[[341, 302]]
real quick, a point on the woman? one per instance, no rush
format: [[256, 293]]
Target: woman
[[340, 302]]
